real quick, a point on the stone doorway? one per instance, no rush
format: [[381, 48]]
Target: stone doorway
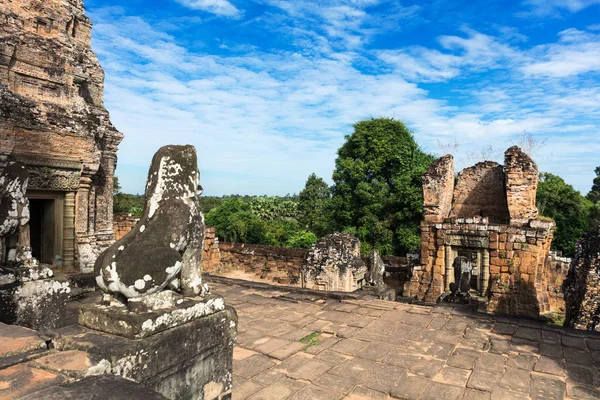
[[41, 225], [480, 260], [46, 226], [474, 258]]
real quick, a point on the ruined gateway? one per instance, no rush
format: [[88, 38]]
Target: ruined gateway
[[53, 120], [487, 215]]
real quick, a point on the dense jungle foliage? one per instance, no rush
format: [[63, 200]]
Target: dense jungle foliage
[[376, 195]]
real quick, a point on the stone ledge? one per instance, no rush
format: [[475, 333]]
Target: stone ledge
[[19, 344], [97, 387], [120, 321]]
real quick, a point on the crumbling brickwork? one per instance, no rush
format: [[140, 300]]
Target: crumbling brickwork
[[211, 257], [582, 286], [496, 231], [522, 178], [52, 118], [480, 192], [438, 189]]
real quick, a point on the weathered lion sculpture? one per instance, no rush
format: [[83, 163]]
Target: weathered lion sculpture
[[165, 248], [14, 214]]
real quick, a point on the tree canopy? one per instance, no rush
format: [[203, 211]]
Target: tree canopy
[[594, 194], [314, 205], [568, 208], [377, 192]]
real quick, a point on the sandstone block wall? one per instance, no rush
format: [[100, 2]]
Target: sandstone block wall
[[276, 264], [211, 256], [516, 281]]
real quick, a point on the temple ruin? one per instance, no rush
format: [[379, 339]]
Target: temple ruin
[[487, 215], [53, 120]]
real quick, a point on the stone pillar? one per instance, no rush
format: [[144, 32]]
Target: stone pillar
[[485, 272], [85, 252], [449, 271], [104, 232], [82, 205], [91, 226], [69, 231]]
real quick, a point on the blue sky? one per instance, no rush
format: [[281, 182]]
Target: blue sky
[[267, 89]]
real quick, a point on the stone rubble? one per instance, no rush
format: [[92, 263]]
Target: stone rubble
[[334, 264]]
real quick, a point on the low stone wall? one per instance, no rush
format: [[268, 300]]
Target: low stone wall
[[276, 264], [123, 223]]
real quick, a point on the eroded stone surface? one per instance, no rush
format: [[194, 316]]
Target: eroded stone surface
[[20, 380], [334, 264], [119, 320]]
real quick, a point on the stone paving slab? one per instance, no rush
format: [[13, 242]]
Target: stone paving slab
[[20, 380], [314, 348], [18, 343]]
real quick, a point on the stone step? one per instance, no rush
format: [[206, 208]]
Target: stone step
[[18, 344]]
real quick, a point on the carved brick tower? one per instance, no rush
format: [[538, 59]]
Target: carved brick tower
[[52, 118], [487, 214]]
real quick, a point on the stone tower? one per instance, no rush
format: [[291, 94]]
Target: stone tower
[[52, 118]]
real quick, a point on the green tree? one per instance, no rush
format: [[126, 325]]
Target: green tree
[[301, 239], [235, 223], [314, 205], [568, 208], [377, 192], [594, 194]]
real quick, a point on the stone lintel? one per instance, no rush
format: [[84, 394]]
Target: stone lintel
[[120, 321], [476, 241]]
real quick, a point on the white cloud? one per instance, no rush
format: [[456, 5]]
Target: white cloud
[[554, 8], [264, 119], [474, 52], [577, 52], [218, 7]]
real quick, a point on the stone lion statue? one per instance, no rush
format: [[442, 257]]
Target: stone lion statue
[[165, 248]]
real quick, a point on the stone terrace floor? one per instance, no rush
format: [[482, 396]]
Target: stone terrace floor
[[291, 347]]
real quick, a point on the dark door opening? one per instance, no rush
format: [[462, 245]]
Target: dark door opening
[[41, 225], [471, 256]]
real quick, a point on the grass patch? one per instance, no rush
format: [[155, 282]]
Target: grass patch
[[555, 319], [310, 340]]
